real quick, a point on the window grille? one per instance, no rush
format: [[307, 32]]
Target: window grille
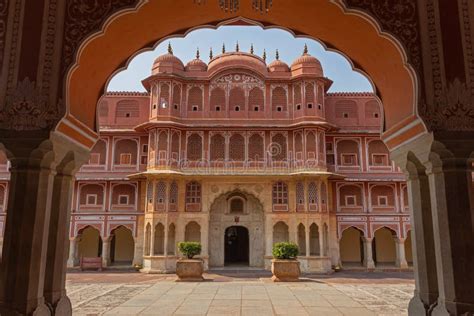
[[237, 148], [160, 192], [217, 147], [256, 148], [173, 192], [193, 192], [280, 193], [194, 147], [312, 193], [299, 193]]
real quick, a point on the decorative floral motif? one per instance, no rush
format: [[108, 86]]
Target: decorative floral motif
[[27, 109], [400, 19], [84, 17], [454, 109]]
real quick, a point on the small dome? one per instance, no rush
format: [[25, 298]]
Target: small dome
[[237, 60], [196, 65], [307, 64], [278, 66], [167, 63]]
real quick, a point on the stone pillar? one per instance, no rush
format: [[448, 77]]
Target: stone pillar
[[307, 238], [268, 236], [368, 259], [137, 252], [152, 239], [450, 179], [401, 260], [204, 236], [321, 240], [106, 251], [73, 259], [35, 240]]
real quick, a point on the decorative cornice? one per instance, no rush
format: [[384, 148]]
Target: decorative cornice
[[350, 94], [126, 94]]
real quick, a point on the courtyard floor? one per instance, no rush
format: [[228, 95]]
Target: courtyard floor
[[240, 293]]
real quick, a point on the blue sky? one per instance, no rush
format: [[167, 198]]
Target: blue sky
[[335, 66]]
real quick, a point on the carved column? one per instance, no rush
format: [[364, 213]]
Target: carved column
[[368, 259], [321, 239], [450, 178], [307, 238]]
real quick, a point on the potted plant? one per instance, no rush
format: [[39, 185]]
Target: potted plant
[[285, 267], [189, 269]]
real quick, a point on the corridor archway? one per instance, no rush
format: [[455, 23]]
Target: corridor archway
[[90, 243], [351, 247], [236, 249], [122, 246], [383, 247]]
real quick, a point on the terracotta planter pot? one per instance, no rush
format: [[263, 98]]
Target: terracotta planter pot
[[189, 270], [285, 270]]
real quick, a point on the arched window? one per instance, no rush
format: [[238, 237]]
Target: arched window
[[348, 153], [159, 240], [173, 193], [161, 192], [312, 196], [217, 147], [194, 148], [256, 148], [237, 148], [372, 109], [176, 97], [299, 192], [346, 109], [280, 232], [298, 146], [309, 95], [148, 239], [297, 97], [98, 153], [311, 145], [237, 100], [218, 100], [175, 146], [192, 232], [279, 100], [125, 152], [378, 153], [236, 205], [195, 99], [256, 100], [164, 95]]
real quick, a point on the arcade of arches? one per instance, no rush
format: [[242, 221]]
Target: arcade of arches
[[56, 57]]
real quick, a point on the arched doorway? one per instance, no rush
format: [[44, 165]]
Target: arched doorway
[[383, 247], [122, 246], [90, 243], [236, 248], [351, 247]]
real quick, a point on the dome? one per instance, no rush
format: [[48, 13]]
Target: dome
[[307, 64], [235, 60], [278, 66], [196, 65], [167, 63]]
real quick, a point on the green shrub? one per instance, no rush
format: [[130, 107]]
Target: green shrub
[[189, 248], [285, 250]]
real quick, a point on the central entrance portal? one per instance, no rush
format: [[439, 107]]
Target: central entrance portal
[[236, 246]]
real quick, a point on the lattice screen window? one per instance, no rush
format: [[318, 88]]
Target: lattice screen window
[[237, 148], [217, 147], [346, 109], [349, 159], [127, 108], [299, 193], [297, 95], [149, 192], [123, 199], [323, 193], [379, 159], [312, 193], [91, 199], [175, 146], [279, 147], [350, 200], [164, 95], [256, 148], [173, 192], [279, 99], [193, 192], [311, 142], [194, 149], [382, 200], [280, 193], [298, 143], [161, 192]]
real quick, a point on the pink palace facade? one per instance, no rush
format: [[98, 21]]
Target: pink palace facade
[[238, 154]]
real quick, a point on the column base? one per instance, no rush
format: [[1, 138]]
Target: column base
[[63, 307], [417, 307], [447, 308], [369, 265]]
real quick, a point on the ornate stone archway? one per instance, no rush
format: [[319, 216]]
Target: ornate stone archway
[[222, 217]]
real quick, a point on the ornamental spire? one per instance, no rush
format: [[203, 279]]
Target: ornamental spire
[[237, 47], [197, 53], [211, 54], [264, 55], [251, 48], [277, 55], [223, 48], [305, 50], [170, 49]]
